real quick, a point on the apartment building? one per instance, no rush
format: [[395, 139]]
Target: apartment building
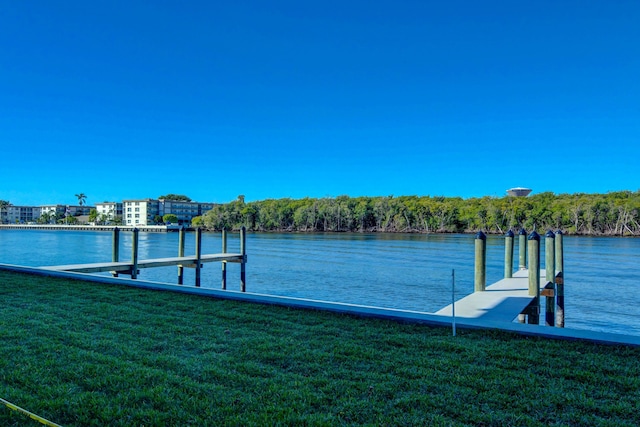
[[110, 210], [19, 214], [146, 211], [185, 211], [133, 212], [65, 210], [139, 212]]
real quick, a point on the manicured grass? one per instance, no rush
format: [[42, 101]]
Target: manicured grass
[[80, 353]]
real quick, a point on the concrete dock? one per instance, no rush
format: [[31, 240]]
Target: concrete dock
[[502, 301]]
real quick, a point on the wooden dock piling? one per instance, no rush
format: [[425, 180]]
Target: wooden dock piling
[[533, 249], [198, 255], [181, 237], [134, 254], [549, 290], [559, 251], [522, 249], [243, 252], [224, 263], [559, 280], [115, 248], [549, 256], [549, 304], [508, 255], [480, 279]]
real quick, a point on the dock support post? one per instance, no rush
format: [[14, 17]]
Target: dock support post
[[559, 280], [198, 254], [549, 304], [480, 279], [181, 254], [549, 256], [550, 274], [224, 263], [522, 249], [534, 276], [115, 249], [134, 254], [243, 251], [508, 255]]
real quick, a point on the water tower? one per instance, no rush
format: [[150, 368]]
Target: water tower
[[519, 192]]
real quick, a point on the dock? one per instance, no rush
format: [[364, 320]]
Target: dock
[[518, 295], [196, 261], [502, 301], [493, 307], [127, 267]]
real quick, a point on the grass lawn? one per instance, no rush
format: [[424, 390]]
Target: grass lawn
[[80, 354]]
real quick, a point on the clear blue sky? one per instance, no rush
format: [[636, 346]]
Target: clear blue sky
[[272, 99]]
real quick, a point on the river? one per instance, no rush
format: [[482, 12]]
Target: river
[[405, 271]]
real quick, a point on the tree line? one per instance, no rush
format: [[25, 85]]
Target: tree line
[[614, 214]]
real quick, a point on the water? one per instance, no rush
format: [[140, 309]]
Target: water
[[405, 271]]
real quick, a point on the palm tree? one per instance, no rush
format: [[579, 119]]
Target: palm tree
[[81, 198]]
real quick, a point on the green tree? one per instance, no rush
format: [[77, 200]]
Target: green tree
[[82, 198], [45, 218], [609, 214], [175, 197], [93, 215], [170, 218], [68, 220]]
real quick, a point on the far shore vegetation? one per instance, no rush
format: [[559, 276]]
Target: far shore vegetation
[[82, 354], [611, 214]]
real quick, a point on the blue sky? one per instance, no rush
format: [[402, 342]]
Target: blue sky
[[135, 99]]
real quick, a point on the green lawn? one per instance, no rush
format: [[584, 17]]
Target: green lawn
[[80, 353]]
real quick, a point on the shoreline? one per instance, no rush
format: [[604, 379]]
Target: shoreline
[[63, 227], [176, 228]]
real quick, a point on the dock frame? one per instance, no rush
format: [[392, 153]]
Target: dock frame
[[132, 267]]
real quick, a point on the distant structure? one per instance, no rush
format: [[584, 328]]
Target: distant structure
[[146, 211], [519, 192]]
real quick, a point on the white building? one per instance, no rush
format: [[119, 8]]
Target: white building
[[110, 210], [60, 211], [150, 211], [139, 212]]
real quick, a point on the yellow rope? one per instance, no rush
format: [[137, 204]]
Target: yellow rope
[[30, 414]]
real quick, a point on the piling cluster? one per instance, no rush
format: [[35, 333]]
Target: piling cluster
[[529, 259], [197, 262]]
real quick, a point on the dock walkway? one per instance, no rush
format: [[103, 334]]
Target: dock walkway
[[502, 301], [126, 266]]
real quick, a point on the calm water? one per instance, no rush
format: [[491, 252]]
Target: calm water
[[403, 271]]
